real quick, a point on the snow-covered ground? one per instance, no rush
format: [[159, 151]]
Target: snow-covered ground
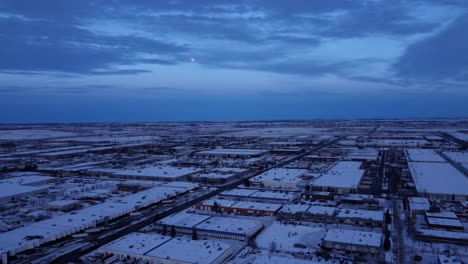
[[32, 134]]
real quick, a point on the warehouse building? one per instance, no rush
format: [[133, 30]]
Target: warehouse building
[[259, 196], [353, 240], [231, 153], [344, 177], [280, 178], [360, 217], [203, 225], [159, 249], [240, 207]]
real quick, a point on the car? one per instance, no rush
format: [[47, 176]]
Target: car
[[417, 258]]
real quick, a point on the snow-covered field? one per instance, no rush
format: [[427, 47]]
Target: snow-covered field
[[32, 134]]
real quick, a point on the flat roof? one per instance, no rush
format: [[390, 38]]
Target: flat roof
[[442, 234], [461, 157], [30, 179], [155, 171], [345, 174], [65, 224], [261, 194], [240, 152], [190, 251], [239, 192], [354, 237], [424, 155], [321, 210], [258, 206], [230, 225], [183, 219], [438, 178], [280, 175], [419, 203], [444, 222], [272, 259], [214, 175], [136, 243], [62, 202], [11, 187], [220, 202], [360, 213], [295, 208], [446, 214], [273, 195]]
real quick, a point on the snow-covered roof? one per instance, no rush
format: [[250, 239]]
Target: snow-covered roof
[[186, 250], [272, 259], [237, 152], [345, 174], [238, 192], [154, 171], [272, 195], [13, 187], [445, 214], [59, 226], [183, 219], [295, 208], [354, 237], [230, 225], [424, 155], [29, 179], [220, 202], [461, 157], [438, 178], [444, 222], [136, 243], [360, 214], [442, 234], [280, 175], [257, 206], [60, 203], [321, 210]]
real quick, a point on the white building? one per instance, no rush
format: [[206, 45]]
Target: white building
[[159, 249], [353, 240], [280, 178], [343, 177]]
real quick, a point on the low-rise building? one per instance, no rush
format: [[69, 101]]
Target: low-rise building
[[418, 206], [343, 177], [280, 178], [360, 217], [240, 207], [159, 249], [204, 225], [353, 240], [231, 153], [259, 196]]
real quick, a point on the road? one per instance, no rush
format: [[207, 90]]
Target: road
[[398, 232], [69, 252]]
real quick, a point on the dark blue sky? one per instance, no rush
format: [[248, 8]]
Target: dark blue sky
[[136, 60]]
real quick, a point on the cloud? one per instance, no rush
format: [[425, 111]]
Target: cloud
[[65, 37], [27, 45], [438, 57]]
